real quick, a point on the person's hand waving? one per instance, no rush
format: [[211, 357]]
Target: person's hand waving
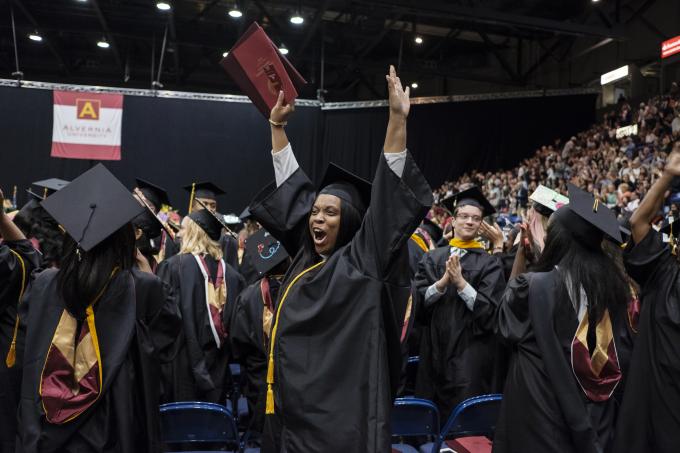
[[399, 101]]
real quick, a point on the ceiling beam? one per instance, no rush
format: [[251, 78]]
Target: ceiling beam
[[441, 9], [107, 32], [548, 52], [312, 28], [175, 46], [49, 38], [501, 59]]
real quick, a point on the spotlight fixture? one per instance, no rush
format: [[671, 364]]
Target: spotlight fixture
[[35, 36], [235, 12], [283, 49], [103, 43], [414, 85], [419, 40], [297, 19], [224, 54], [163, 6]]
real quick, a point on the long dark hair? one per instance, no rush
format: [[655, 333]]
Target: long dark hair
[[80, 279], [583, 266]]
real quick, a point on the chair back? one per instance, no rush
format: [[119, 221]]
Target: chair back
[[414, 417], [194, 423], [476, 416]]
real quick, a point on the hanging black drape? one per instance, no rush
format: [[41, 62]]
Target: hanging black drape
[[174, 141]]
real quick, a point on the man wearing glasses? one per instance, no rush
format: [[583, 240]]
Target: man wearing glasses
[[459, 286]]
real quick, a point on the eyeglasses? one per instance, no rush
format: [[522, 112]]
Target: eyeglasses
[[466, 217]]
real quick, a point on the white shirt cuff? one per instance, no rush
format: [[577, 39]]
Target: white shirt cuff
[[285, 164], [396, 161], [468, 294], [432, 294]]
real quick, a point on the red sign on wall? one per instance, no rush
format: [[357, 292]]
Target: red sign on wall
[[670, 47]]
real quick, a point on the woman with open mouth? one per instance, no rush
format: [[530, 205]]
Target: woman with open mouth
[[334, 357]]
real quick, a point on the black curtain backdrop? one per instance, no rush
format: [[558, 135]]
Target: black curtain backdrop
[[173, 142]]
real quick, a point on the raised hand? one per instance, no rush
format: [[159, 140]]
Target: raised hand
[[281, 111], [399, 101], [492, 233]]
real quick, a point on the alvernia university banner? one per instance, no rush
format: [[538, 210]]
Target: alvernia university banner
[[87, 126]]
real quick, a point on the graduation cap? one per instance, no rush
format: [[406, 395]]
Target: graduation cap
[[470, 197], [51, 185], [205, 189], [546, 201], [670, 227], [157, 195], [266, 251], [595, 214], [347, 186], [208, 222], [93, 207]]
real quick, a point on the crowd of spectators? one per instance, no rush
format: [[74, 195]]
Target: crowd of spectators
[[618, 171]]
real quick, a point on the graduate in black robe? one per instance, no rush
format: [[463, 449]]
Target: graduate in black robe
[[251, 321], [460, 286], [334, 357], [650, 413], [565, 322], [205, 286], [97, 324], [18, 259]]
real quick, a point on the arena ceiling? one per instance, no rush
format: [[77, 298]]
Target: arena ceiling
[[343, 46]]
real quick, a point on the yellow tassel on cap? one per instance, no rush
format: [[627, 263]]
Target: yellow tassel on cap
[[269, 409]]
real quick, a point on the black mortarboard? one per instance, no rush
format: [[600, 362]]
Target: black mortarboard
[[432, 229], [208, 222], [205, 190], [93, 207], [470, 197], [347, 186], [158, 196], [266, 251], [595, 214], [51, 185]]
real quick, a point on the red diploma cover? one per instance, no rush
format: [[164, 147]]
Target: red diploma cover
[[259, 69]]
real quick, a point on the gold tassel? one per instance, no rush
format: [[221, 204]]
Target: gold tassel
[[191, 197], [270, 400], [11, 358], [596, 204]]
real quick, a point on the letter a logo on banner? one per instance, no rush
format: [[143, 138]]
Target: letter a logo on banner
[[87, 126]]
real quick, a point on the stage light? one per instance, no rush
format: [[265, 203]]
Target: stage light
[[283, 49], [224, 54], [414, 85], [419, 40], [103, 43], [163, 6], [35, 36], [297, 19], [235, 12], [595, 1]]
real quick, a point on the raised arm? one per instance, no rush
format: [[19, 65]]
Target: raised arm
[[651, 203], [283, 208], [9, 231], [400, 105]]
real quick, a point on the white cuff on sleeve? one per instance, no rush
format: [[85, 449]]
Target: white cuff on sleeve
[[432, 294], [285, 164], [468, 294], [396, 161]]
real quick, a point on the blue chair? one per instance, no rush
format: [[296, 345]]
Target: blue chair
[[194, 426], [476, 416], [411, 374], [413, 417]]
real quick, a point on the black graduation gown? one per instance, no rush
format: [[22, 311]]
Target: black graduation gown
[[337, 351], [459, 354], [10, 289], [544, 409], [200, 370], [137, 323], [247, 268], [229, 250], [250, 346], [650, 413]]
